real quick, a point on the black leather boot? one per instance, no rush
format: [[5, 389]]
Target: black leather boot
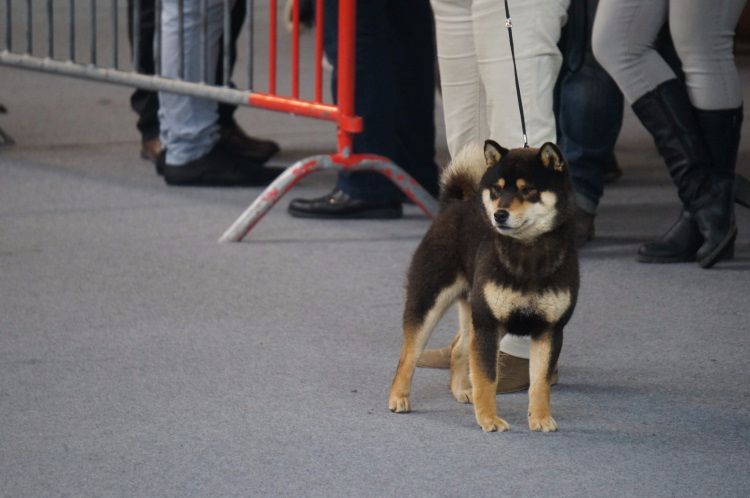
[[721, 130], [678, 245], [668, 115]]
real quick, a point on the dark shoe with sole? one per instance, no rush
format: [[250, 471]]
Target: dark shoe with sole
[[742, 191], [612, 171], [338, 205], [253, 149], [678, 245], [583, 227], [219, 167]]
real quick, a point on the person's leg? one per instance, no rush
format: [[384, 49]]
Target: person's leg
[[464, 103], [623, 42], [589, 109], [189, 125], [145, 102], [253, 149], [704, 40], [413, 56], [238, 13], [376, 100], [705, 229], [536, 31], [703, 37]]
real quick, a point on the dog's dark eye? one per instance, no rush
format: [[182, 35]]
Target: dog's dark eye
[[496, 190], [527, 191]]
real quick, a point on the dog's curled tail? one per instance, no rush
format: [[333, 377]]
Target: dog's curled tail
[[460, 180]]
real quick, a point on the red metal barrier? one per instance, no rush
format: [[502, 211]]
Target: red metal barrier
[[343, 114]]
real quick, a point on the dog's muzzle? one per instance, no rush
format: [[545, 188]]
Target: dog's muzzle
[[501, 218]]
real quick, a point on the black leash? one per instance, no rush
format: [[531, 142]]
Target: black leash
[[509, 25]]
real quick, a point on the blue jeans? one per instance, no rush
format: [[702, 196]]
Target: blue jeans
[[588, 108], [395, 92], [189, 125]]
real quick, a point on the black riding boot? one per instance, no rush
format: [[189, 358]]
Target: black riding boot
[[721, 130], [670, 118]]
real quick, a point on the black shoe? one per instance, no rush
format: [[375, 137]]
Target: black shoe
[[339, 205], [678, 245], [583, 225], [742, 191], [612, 171], [220, 167], [253, 149]]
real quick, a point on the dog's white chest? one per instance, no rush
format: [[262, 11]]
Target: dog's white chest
[[503, 301]]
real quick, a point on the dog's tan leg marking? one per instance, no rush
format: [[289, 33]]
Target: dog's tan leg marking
[[484, 392], [415, 338], [540, 417], [460, 382]]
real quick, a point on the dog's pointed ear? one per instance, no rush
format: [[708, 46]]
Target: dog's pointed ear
[[551, 157], [493, 152]]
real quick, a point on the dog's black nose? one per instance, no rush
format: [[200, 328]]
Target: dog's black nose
[[502, 216]]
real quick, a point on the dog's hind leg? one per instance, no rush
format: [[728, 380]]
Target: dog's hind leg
[[419, 322], [460, 382], [541, 363]]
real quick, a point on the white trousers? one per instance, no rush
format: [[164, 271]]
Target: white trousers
[[476, 69], [478, 86]]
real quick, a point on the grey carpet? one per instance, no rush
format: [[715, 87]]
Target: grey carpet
[[138, 357]]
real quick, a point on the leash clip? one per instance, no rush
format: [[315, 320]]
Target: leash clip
[[508, 22]]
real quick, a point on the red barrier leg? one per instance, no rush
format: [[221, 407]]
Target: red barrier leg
[[271, 195], [357, 162]]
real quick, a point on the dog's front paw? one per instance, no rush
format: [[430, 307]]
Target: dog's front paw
[[542, 424], [493, 424], [463, 395], [399, 403]]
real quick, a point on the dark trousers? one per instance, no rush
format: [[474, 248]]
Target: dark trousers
[[146, 103], [395, 92], [588, 106]]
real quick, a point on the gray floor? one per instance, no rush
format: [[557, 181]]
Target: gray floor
[[139, 357]]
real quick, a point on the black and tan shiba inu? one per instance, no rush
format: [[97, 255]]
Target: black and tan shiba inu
[[502, 247]]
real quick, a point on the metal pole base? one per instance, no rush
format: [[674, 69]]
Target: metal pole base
[[356, 162]]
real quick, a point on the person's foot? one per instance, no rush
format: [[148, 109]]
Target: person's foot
[[306, 14], [339, 205], [150, 149], [219, 167], [254, 149], [513, 374], [583, 227], [612, 171]]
